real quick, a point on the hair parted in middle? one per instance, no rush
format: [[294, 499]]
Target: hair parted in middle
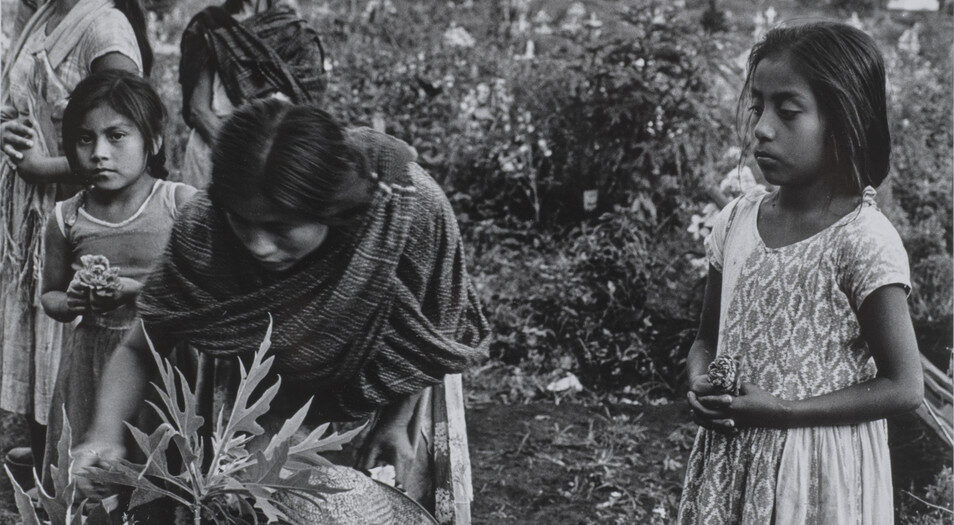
[[845, 70], [296, 156], [127, 94]]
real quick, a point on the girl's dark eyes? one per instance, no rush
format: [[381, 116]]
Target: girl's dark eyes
[[756, 110], [787, 114], [116, 136], [85, 139]]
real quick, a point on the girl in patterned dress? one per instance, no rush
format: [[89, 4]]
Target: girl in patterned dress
[[112, 134], [57, 44], [806, 292]]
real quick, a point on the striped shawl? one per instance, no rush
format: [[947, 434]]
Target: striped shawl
[[374, 315]]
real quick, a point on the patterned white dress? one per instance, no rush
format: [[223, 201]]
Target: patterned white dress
[[789, 315]]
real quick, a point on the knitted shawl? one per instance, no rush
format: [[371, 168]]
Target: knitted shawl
[[375, 314]]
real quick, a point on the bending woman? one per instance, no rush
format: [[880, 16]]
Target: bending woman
[[58, 45], [237, 52], [355, 252]]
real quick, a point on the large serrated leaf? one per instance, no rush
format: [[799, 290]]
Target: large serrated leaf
[[263, 497], [61, 477], [23, 501], [154, 446], [314, 443]]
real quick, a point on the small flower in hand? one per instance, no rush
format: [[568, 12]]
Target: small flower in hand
[[97, 275], [724, 374]]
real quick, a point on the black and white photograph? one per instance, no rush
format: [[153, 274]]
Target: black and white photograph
[[462, 262]]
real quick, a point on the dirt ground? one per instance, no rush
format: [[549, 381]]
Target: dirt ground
[[567, 463]]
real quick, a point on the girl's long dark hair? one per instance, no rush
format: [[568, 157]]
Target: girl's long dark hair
[[845, 70], [136, 15], [295, 156], [127, 94]]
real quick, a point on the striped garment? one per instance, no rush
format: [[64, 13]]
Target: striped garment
[[377, 313], [272, 51]]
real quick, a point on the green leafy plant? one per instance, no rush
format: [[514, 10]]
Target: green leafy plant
[[246, 476], [63, 506]]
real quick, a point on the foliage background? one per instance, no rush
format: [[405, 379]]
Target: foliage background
[[523, 109]]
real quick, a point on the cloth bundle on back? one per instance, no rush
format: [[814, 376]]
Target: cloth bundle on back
[[226, 62], [272, 51]]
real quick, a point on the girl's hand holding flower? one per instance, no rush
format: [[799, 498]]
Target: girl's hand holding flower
[[753, 407], [700, 387], [77, 297], [106, 299]]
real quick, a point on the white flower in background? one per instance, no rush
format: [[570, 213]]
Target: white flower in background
[[541, 23], [573, 20], [855, 22], [909, 41], [457, 36], [763, 20], [738, 181], [700, 224], [592, 22], [733, 153]]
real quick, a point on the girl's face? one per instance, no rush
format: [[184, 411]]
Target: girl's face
[[110, 150], [275, 238], [789, 126]]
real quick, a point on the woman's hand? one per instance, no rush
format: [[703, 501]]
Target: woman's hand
[[388, 444], [705, 415], [753, 407], [106, 300], [15, 136], [94, 454]]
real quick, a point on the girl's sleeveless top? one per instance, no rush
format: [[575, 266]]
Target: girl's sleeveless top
[[132, 245], [789, 315]]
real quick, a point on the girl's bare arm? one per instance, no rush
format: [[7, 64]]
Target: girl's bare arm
[[897, 388], [58, 300]]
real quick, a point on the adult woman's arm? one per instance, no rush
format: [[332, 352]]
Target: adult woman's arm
[[206, 122], [120, 395], [898, 387], [41, 169], [390, 441]]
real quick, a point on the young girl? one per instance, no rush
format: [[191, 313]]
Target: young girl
[[112, 138], [807, 293], [57, 44]]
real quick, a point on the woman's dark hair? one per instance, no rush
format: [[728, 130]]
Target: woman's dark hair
[[127, 94], [845, 71], [295, 156], [136, 15]]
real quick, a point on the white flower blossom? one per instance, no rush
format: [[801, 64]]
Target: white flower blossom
[[457, 36]]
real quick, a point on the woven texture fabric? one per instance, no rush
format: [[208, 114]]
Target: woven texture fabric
[[272, 51], [375, 314], [789, 317]]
